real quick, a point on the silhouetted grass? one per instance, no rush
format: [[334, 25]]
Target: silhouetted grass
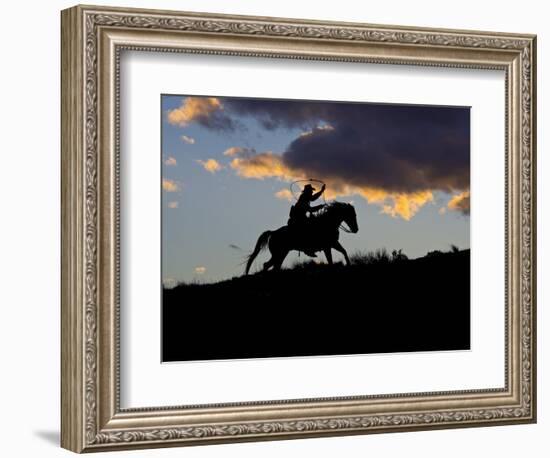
[[358, 258], [368, 258]]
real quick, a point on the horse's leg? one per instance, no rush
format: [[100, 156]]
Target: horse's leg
[[275, 256], [338, 247], [278, 254], [271, 261], [278, 261], [328, 255], [268, 264]]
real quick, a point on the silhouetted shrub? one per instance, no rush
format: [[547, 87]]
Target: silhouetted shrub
[[434, 253], [398, 255]]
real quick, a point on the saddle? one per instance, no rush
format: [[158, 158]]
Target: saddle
[[298, 222]]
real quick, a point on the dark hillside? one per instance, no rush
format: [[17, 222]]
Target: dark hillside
[[377, 305]]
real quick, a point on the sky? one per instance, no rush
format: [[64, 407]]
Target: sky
[[228, 163]]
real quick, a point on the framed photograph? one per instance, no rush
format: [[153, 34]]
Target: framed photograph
[[278, 228]]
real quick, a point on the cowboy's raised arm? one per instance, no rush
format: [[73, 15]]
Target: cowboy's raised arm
[[318, 194]]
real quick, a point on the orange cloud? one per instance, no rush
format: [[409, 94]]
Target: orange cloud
[[402, 205], [171, 161], [192, 109], [173, 204], [200, 270], [460, 202], [170, 185], [406, 205], [263, 165], [211, 165]]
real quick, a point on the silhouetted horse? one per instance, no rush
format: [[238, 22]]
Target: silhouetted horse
[[319, 234]]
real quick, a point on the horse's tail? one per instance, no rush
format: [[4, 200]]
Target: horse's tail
[[260, 245]]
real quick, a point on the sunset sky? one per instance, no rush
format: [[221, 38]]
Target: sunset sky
[[228, 163]]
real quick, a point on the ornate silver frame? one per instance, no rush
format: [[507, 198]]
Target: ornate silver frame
[[92, 39]]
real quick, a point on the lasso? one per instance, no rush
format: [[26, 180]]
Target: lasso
[[295, 188]]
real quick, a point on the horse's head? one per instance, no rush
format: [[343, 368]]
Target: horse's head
[[350, 218], [343, 213]]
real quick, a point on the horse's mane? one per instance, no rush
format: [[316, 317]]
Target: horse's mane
[[329, 209]]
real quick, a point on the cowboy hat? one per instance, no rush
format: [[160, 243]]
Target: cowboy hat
[[309, 187]]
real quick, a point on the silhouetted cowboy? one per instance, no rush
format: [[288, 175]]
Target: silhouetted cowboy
[[298, 216]]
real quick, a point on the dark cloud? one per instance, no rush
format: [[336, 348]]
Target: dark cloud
[[274, 114], [400, 148]]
